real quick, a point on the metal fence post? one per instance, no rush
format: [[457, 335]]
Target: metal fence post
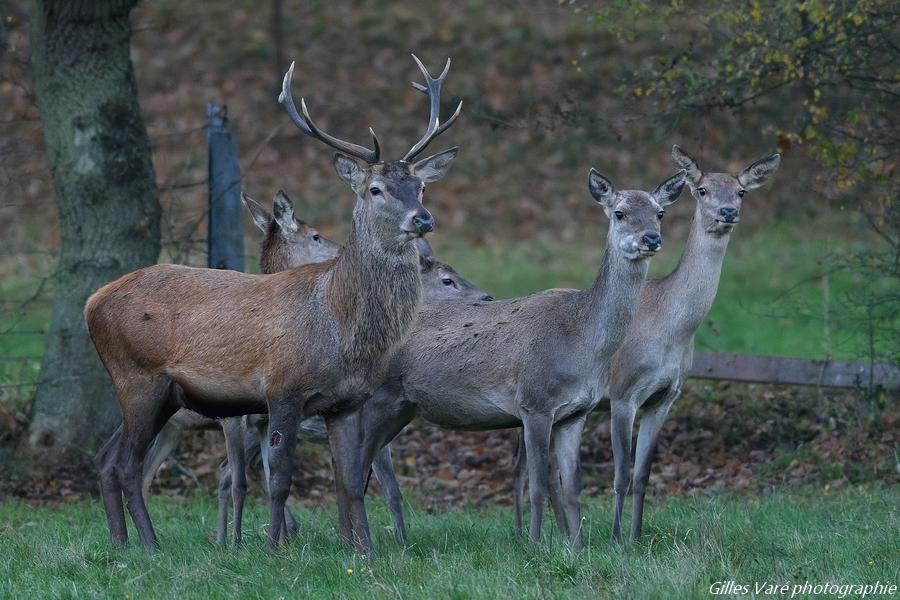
[[225, 238]]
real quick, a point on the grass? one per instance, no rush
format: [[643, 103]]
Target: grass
[[770, 298], [790, 536]]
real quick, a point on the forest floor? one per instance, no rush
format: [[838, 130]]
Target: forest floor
[[719, 437], [789, 536]]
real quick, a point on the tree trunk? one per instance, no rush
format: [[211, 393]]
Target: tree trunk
[[109, 210]]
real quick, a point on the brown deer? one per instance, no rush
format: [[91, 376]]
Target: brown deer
[[656, 356], [288, 243], [539, 362], [305, 341]]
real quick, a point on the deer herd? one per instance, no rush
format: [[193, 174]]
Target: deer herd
[[349, 343]]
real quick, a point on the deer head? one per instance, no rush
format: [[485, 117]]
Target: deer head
[[719, 195], [441, 282], [289, 242], [635, 215], [389, 194]]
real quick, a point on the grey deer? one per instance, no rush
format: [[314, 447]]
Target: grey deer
[[538, 361], [306, 341], [288, 243], [653, 362]]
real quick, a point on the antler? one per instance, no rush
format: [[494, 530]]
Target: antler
[[306, 125], [435, 127]]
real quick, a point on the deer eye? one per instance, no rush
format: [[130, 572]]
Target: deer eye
[[660, 214], [741, 193], [316, 238], [619, 215], [374, 191], [447, 281], [701, 191]]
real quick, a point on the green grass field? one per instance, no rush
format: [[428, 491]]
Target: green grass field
[[790, 536], [771, 292]]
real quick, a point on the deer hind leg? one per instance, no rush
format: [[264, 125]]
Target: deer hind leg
[[236, 458], [651, 423], [383, 417], [281, 441], [106, 462], [149, 405], [224, 494], [161, 448], [384, 471], [567, 450], [537, 429], [520, 466], [622, 425]]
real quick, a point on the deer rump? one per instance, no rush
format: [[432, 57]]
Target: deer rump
[[251, 349]]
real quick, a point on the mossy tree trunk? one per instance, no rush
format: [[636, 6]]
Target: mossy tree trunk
[[109, 211]]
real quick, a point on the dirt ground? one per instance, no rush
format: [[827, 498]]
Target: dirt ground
[[719, 436]]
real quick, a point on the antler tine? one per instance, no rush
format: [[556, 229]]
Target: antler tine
[[446, 124], [305, 123], [286, 99], [446, 70], [433, 90]]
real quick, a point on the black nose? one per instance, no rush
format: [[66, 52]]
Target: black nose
[[728, 214], [652, 240], [487, 298], [424, 222]]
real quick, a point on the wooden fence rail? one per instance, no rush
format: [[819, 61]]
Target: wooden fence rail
[[794, 371]]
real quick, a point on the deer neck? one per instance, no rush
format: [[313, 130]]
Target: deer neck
[[608, 305], [693, 284], [274, 256], [374, 289]]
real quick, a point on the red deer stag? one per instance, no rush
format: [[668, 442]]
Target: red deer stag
[[305, 341]]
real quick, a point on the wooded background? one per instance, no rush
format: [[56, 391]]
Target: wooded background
[[96, 181]]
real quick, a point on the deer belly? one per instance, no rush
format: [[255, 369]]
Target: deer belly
[[218, 389], [474, 411]]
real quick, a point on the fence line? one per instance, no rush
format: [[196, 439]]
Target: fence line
[[794, 371]]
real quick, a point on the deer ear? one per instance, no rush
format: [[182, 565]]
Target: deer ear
[[426, 264], [424, 248], [685, 161], [261, 217], [669, 190], [435, 167], [601, 188], [756, 174], [283, 209], [350, 173]]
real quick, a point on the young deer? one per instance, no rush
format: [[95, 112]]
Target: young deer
[[655, 358], [539, 361], [310, 340], [288, 243]]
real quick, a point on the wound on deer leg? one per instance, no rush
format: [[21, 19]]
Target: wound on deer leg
[[276, 438]]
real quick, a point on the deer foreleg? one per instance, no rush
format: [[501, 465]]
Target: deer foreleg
[[651, 423], [622, 424]]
